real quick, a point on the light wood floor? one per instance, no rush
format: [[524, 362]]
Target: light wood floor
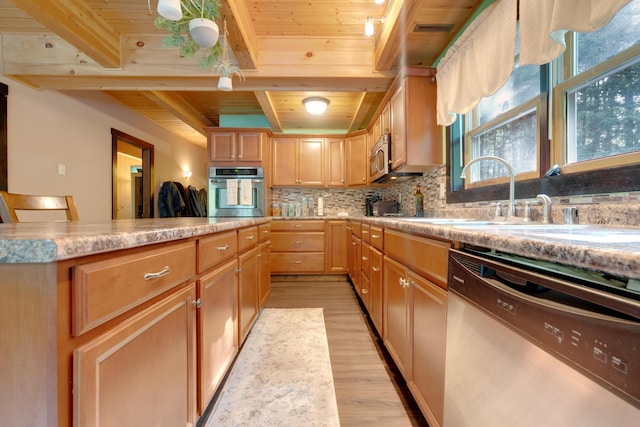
[[369, 389]]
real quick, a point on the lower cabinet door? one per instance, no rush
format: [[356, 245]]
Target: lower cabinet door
[[218, 328], [249, 275], [429, 337], [143, 371], [396, 314], [265, 272]]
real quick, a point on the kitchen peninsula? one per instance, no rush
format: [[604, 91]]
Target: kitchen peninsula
[[51, 318]]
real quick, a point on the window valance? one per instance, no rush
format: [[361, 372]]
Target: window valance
[[482, 58]]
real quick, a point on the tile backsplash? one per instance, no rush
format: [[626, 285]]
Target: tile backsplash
[[612, 209]]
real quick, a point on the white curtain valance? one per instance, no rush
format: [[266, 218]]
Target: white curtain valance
[[482, 58], [478, 63], [543, 24]]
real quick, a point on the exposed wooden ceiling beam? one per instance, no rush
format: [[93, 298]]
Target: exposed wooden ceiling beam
[[267, 108], [242, 37], [388, 49], [174, 103], [75, 22]]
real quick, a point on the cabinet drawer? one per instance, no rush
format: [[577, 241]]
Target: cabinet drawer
[[297, 225], [365, 259], [294, 262], [364, 232], [425, 256], [375, 236], [247, 237], [104, 289], [264, 232], [215, 249], [356, 229], [297, 242]]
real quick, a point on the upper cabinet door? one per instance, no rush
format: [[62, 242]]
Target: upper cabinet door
[[222, 147], [335, 162], [249, 147], [311, 161], [357, 160], [398, 128], [285, 155]]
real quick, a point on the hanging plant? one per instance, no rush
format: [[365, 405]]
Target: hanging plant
[[225, 68], [179, 35]]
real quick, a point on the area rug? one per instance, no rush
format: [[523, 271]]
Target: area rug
[[282, 376]]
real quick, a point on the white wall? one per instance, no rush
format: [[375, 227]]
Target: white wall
[[47, 128]]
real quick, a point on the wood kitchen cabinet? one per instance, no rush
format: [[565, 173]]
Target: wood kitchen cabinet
[[416, 139], [248, 280], [228, 146], [397, 299], [357, 160], [336, 243], [335, 162], [298, 162], [218, 331], [429, 321], [375, 287], [264, 272], [120, 378], [415, 274], [298, 246]]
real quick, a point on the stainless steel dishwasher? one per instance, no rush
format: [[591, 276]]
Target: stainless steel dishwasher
[[532, 343]]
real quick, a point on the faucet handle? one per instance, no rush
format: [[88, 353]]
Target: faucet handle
[[498, 209]]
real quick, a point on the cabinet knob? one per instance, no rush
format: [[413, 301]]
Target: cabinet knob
[[375, 268], [364, 258], [238, 270], [197, 303], [364, 179], [365, 291]]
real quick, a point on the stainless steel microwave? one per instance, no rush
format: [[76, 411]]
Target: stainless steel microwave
[[236, 192], [380, 163]]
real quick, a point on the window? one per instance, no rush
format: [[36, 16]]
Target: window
[[598, 104], [593, 117], [506, 125]]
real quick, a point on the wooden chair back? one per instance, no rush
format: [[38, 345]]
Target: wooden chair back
[[11, 202]]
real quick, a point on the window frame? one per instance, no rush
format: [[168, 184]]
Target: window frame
[[612, 176]]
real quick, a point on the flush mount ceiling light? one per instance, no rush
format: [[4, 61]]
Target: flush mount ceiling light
[[315, 104], [379, 1]]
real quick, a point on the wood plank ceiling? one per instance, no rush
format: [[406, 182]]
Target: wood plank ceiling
[[288, 50]]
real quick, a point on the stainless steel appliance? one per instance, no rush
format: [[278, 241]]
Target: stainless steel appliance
[[380, 163], [236, 192], [535, 344]]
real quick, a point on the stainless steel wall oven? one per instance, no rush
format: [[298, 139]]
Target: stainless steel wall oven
[[236, 192]]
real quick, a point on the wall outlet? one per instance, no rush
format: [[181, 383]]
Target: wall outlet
[[62, 169]]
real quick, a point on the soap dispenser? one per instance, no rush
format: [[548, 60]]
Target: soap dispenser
[[418, 199]]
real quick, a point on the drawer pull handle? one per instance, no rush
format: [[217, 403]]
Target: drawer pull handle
[[297, 242], [250, 237], [265, 231], [222, 248], [375, 236], [364, 232], [375, 268], [297, 225], [297, 262], [364, 258], [365, 291], [166, 270]]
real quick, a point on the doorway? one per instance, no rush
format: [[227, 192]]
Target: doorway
[[132, 171]]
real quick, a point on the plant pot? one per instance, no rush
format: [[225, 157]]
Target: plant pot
[[170, 9], [204, 32], [225, 84]]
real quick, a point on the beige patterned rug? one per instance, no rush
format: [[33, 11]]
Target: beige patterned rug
[[282, 376]]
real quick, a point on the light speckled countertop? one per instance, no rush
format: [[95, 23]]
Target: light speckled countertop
[[615, 250]]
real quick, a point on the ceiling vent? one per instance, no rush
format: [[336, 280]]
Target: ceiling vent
[[433, 28]]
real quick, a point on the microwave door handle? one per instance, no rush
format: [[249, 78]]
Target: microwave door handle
[[377, 156]]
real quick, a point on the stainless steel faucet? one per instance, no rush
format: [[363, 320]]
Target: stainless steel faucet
[[511, 212], [546, 208]]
